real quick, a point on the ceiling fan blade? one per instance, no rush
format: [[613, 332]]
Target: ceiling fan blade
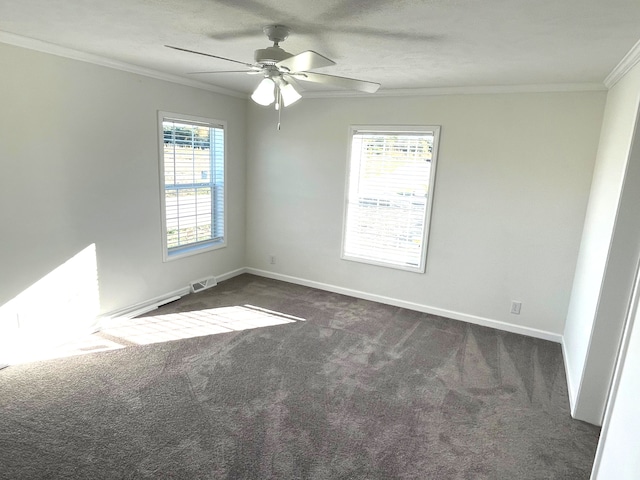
[[391, 35], [209, 55], [345, 10], [232, 35], [227, 71], [334, 81], [304, 61], [255, 7]]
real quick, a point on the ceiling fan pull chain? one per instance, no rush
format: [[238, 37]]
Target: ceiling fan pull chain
[[278, 105], [279, 111]]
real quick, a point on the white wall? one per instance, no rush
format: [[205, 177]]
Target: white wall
[[514, 173], [79, 156], [609, 248], [617, 456]]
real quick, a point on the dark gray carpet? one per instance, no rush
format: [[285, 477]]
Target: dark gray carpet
[[357, 391]]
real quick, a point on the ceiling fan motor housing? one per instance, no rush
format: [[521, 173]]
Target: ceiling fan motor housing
[[274, 54], [271, 55]]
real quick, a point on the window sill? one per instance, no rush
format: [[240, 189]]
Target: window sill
[[189, 250]]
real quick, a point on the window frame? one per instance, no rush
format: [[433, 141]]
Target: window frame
[[393, 129], [183, 251]]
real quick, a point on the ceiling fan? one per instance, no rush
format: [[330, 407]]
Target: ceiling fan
[[281, 69]]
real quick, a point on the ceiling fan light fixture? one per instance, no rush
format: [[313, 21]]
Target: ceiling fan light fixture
[[289, 94], [264, 94]]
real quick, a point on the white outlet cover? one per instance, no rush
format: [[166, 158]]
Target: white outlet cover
[[515, 307]]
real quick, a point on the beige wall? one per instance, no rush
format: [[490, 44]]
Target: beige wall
[[79, 156], [606, 262], [514, 172], [616, 457]]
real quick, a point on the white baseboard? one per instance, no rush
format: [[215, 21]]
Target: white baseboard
[[567, 373], [139, 308], [153, 303], [231, 274], [146, 306], [486, 322]]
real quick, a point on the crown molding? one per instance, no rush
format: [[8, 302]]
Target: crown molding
[[477, 90], [627, 63], [50, 48], [38, 45]]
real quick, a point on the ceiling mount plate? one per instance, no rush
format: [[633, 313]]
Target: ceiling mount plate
[[276, 33]]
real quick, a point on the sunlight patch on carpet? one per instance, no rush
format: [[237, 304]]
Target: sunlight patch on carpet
[[128, 332], [177, 326]]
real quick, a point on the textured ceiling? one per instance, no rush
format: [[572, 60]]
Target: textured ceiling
[[402, 44]]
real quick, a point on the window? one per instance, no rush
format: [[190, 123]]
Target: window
[[389, 195], [192, 172]]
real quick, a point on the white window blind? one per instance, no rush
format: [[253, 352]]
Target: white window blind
[[390, 182], [192, 166]]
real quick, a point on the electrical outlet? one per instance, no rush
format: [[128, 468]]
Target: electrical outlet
[[515, 307], [272, 259]]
